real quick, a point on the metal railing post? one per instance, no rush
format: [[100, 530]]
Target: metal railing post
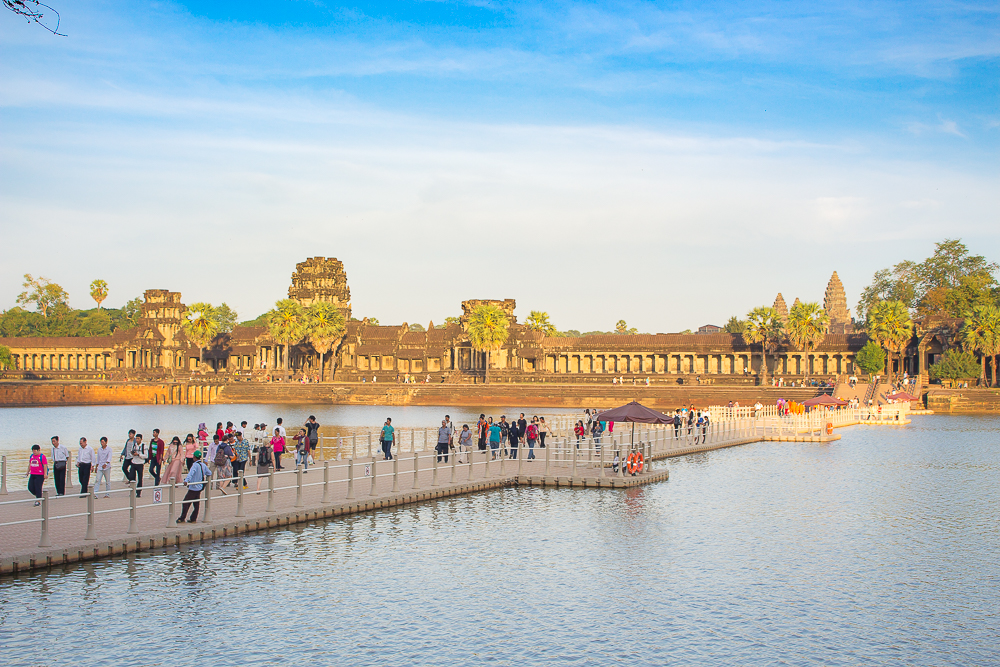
[[354, 446], [3, 476], [548, 458], [270, 489], [413, 437], [454, 464], [91, 530], [326, 482], [434, 481], [208, 502], [520, 461], [171, 502], [133, 526], [395, 473], [502, 459], [350, 479], [602, 463], [298, 486], [44, 540], [486, 468], [373, 491], [416, 469], [574, 452], [239, 495]]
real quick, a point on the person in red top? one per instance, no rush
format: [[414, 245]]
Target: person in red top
[[38, 470], [155, 456], [221, 432]]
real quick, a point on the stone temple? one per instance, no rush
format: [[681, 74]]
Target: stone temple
[[158, 348]]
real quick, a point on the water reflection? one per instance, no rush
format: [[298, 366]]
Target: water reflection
[[857, 552]]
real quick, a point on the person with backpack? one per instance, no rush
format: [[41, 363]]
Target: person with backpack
[[532, 436], [155, 456], [312, 430], [195, 481], [265, 459], [224, 463], [139, 456]]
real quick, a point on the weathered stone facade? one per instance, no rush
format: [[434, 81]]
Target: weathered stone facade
[[158, 347], [835, 304]]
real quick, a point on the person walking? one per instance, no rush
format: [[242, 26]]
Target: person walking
[[388, 438], [224, 464], [515, 439], [202, 443], [522, 428], [278, 447], [444, 436], [482, 431], [464, 444], [174, 458], [60, 457], [85, 459], [155, 456], [126, 456], [38, 470], [265, 459], [195, 482], [495, 439], [504, 435], [190, 445], [312, 430], [301, 448], [213, 449], [580, 432], [139, 455], [532, 437], [677, 424], [543, 430], [242, 451], [103, 468], [596, 431]]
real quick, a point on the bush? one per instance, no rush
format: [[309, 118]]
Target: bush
[[954, 365], [871, 358]]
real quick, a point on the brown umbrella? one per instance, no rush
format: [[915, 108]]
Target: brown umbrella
[[822, 400], [634, 412], [902, 396]]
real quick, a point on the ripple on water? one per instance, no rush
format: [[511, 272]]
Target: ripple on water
[[876, 549]]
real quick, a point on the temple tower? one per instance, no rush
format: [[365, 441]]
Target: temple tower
[[835, 304], [162, 310], [779, 305], [321, 279]]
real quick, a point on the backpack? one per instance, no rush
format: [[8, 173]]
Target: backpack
[[264, 457], [220, 455], [532, 431]]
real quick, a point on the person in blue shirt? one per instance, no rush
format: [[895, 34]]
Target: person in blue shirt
[[495, 439], [195, 482]]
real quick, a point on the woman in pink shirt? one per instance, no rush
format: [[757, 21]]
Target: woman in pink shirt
[[38, 470], [189, 448]]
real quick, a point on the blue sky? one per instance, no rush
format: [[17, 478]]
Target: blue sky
[[702, 155]]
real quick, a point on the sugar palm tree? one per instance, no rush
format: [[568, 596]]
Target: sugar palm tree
[[488, 331], [890, 325], [286, 323], [765, 328], [99, 292], [981, 333], [324, 325], [201, 324], [807, 324], [538, 320]]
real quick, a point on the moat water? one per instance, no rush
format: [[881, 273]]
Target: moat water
[[880, 548]]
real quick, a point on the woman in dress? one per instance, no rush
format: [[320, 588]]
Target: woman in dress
[[543, 430], [175, 456], [189, 448]]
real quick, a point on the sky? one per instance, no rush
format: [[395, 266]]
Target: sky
[[670, 164]]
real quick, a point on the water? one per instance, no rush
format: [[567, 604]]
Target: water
[[879, 548]]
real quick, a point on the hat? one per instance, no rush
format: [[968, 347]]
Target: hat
[[201, 426], [197, 453]]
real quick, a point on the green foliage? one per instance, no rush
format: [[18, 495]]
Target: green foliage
[[764, 327], [62, 321], [686, 331], [955, 365], [807, 323], [890, 326], [373, 321], [43, 293], [227, 317], [287, 324], [735, 325], [261, 321], [99, 291], [324, 325], [417, 327], [130, 313], [5, 359], [200, 324], [538, 320], [622, 328], [950, 282], [870, 358], [981, 333], [450, 320], [488, 329]]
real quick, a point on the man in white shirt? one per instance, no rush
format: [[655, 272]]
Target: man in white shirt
[[103, 468], [60, 455], [138, 461], [85, 459]]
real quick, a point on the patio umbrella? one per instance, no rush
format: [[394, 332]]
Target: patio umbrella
[[823, 400], [902, 396], [635, 413]]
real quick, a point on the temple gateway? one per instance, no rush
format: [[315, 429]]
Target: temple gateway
[[158, 349]]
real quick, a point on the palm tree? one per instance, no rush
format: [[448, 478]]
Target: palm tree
[[200, 324], [890, 325], [764, 327], [324, 325], [981, 333], [99, 292], [807, 324], [488, 331], [286, 324], [538, 320]]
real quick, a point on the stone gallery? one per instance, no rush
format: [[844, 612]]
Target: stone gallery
[[157, 348]]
